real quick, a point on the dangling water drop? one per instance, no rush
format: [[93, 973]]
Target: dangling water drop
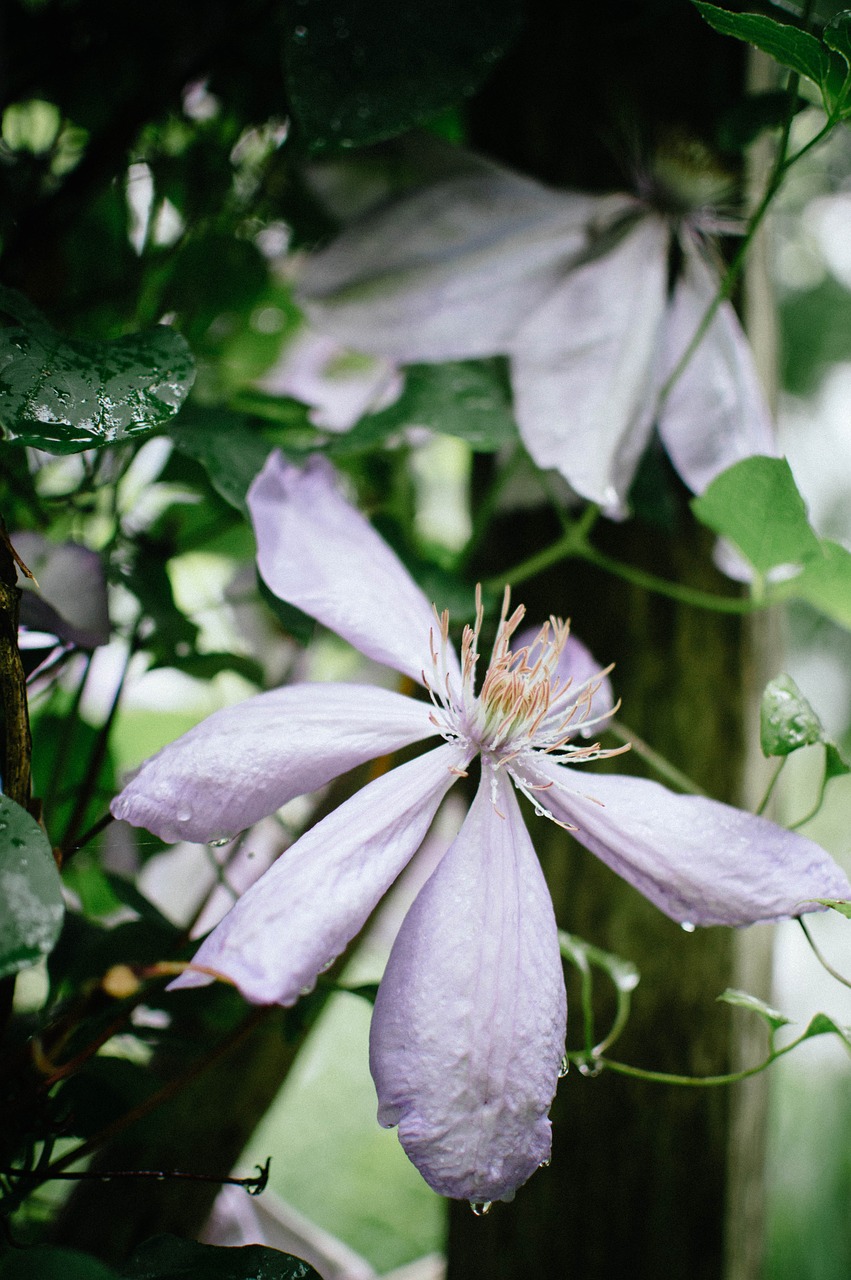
[[481, 1207], [687, 926], [564, 1067]]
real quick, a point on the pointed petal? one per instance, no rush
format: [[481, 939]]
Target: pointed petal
[[315, 550], [244, 762], [582, 366], [578, 667], [449, 271], [468, 1029], [716, 413], [303, 912], [699, 861]]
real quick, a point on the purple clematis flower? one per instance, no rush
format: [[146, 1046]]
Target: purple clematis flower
[[468, 1030], [575, 290]]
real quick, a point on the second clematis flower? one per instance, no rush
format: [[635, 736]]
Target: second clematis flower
[[468, 1030], [594, 299]]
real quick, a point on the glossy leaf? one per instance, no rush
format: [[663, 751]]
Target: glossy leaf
[[31, 907], [742, 1000], [785, 43], [65, 396], [358, 73], [170, 1258], [786, 719], [756, 505], [844, 908], [464, 398]]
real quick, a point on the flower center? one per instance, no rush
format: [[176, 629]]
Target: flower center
[[523, 704]]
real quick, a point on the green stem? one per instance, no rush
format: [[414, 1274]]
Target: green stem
[[656, 761], [763, 804], [674, 591], [823, 961], [699, 1082]]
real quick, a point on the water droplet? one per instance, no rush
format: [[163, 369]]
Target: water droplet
[[564, 1067], [300, 33], [220, 842], [687, 926], [481, 1207], [184, 815], [545, 1164], [160, 1177]]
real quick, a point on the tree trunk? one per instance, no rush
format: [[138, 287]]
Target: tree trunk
[[640, 1172]]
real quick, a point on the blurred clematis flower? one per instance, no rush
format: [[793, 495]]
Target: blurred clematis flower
[[468, 1029], [576, 290]]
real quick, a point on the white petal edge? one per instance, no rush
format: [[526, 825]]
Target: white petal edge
[[699, 861], [317, 551], [582, 366], [716, 413], [448, 271], [244, 762], [468, 1029], [304, 911]]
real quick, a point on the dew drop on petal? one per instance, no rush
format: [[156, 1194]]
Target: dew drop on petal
[[564, 1067], [481, 1207], [687, 926]]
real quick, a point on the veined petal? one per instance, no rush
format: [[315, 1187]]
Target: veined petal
[[582, 366], [244, 762], [468, 1029], [578, 666], [698, 860], [449, 271], [317, 551], [301, 914], [716, 413]]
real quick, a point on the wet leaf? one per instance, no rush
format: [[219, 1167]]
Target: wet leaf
[[31, 908], [170, 1258], [786, 720], [359, 73], [742, 1000], [65, 396]]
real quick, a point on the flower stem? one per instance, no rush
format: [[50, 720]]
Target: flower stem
[[657, 762], [823, 961]]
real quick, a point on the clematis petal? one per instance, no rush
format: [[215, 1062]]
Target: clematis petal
[[244, 762], [468, 1029], [449, 271], [582, 366], [578, 667], [716, 413], [317, 551], [698, 860], [301, 914]]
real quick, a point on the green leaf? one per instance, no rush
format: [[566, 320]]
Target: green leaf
[[742, 1000], [229, 451], [837, 35], [824, 583], [358, 73], [46, 1263], [170, 1258], [821, 1024], [782, 41], [296, 623], [834, 765], [31, 907], [756, 505], [786, 720], [65, 396], [836, 904], [465, 398]]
